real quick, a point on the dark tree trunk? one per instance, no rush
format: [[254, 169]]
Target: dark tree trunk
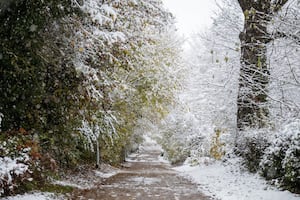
[[254, 73]]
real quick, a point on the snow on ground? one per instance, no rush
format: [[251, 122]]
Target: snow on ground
[[87, 176], [85, 182], [222, 180], [86, 179], [73, 184], [35, 196], [226, 181]]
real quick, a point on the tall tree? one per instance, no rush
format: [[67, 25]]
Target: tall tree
[[254, 72]]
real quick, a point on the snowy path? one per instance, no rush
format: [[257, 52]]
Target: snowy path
[[226, 181], [145, 177]]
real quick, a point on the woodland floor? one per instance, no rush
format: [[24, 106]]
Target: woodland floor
[[143, 177]]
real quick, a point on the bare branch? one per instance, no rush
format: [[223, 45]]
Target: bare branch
[[290, 36]]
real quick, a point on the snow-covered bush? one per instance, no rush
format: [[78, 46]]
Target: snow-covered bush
[[23, 166], [251, 145], [11, 170], [281, 161], [179, 136], [175, 150], [14, 164]]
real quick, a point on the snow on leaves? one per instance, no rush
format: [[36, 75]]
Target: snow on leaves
[[281, 162], [12, 167], [125, 55]]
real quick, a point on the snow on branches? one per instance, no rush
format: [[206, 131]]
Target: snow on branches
[[13, 166], [125, 51]]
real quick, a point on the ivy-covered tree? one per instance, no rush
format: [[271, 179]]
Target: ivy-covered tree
[[254, 73]]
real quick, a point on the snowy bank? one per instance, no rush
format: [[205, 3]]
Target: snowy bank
[[228, 182], [86, 177], [35, 196]]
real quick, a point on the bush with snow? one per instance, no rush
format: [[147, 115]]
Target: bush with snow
[[23, 166], [281, 161], [180, 136], [251, 146], [14, 166]]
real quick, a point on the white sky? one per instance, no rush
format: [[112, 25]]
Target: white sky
[[191, 15]]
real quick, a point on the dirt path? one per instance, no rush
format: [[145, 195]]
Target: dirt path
[[144, 178]]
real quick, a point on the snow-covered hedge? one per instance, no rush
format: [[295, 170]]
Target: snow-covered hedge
[[281, 161]]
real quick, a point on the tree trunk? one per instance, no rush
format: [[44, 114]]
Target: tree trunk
[[98, 154], [254, 73]]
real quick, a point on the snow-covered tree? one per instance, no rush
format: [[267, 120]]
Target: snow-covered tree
[[284, 65], [127, 63], [254, 73], [210, 88], [79, 73]]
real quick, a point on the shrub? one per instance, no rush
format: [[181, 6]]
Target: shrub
[[112, 149], [22, 166], [14, 161], [281, 162], [181, 136], [176, 153], [251, 146]]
